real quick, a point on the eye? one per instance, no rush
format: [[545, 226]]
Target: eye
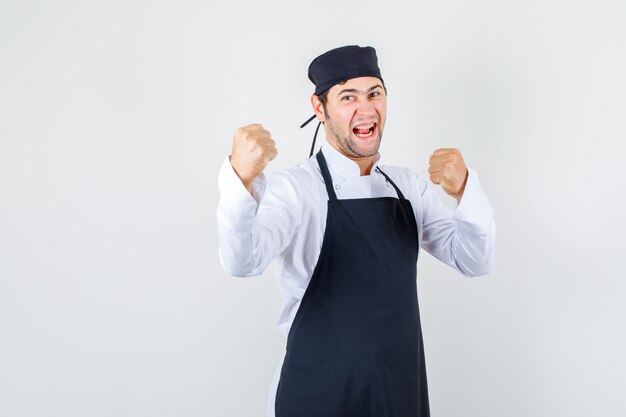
[[374, 94], [347, 98]]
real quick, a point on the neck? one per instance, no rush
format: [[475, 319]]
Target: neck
[[365, 163]]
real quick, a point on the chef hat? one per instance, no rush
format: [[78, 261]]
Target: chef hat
[[339, 65], [342, 64]]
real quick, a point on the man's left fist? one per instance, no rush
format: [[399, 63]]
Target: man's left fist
[[448, 170]]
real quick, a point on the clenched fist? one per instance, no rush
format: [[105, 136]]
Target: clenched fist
[[448, 170], [253, 148]]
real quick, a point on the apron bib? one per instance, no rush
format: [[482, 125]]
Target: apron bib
[[355, 345]]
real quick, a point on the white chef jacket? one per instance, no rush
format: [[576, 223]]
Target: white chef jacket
[[285, 217]]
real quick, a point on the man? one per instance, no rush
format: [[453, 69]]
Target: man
[[345, 231]]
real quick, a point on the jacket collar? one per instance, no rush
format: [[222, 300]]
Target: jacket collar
[[340, 165]]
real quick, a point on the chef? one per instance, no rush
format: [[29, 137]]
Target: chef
[[345, 231]]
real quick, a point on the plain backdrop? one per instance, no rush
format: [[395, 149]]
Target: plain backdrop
[[115, 117]]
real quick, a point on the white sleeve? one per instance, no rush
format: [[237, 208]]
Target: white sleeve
[[253, 229], [463, 238]]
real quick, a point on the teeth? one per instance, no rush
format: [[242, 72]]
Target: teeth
[[362, 127]]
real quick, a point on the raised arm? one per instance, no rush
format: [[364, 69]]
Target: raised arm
[[463, 238], [256, 218]]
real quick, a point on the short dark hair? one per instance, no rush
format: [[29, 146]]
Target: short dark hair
[[323, 98]]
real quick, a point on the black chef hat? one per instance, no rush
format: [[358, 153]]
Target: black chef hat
[[338, 65], [342, 64]]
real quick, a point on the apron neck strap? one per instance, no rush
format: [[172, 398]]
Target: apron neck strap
[[328, 182], [400, 195]]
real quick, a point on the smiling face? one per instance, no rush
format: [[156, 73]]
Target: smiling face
[[354, 117]]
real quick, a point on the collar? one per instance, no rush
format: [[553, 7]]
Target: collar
[[340, 165]]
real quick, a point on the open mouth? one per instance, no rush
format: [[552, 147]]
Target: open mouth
[[364, 131]]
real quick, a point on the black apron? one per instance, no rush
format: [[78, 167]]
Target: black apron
[[355, 345]]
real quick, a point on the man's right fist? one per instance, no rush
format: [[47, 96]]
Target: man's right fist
[[253, 148]]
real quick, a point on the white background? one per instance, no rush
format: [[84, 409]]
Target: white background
[[115, 117]]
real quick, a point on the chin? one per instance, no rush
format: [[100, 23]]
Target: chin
[[360, 152]]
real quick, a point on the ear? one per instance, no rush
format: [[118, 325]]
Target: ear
[[318, 108]]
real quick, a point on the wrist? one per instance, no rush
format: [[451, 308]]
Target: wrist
[[246, 180], [459, 194]]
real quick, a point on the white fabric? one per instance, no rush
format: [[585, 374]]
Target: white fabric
[[285, 217]]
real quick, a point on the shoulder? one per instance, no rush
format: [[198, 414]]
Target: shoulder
[[304, 174], [403, 174], [294, 182], [411, 183]]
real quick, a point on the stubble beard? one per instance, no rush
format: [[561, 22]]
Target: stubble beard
[[348, 145]]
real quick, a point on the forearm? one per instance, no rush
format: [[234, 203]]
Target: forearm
[[254, 228], [463, 238]]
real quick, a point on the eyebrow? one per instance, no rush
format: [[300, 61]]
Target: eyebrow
[[354, 90]]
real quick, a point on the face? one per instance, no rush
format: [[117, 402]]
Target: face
[[355, 116]]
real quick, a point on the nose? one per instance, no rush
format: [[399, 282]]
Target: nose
[[364, 107]]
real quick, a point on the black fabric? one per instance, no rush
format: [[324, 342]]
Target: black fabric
[[355, 345], [342, 64]]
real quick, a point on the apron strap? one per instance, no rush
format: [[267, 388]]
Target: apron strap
[[328, 182], [400, 195]]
